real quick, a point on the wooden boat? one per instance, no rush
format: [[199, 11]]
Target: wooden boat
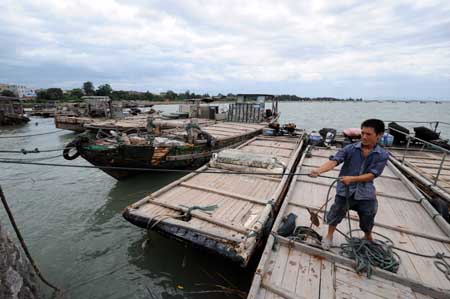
[[173, 149], [137, 123], [244, 203], [43, 110], [299, 270], [174, 144], [11, 111], [74, 117]]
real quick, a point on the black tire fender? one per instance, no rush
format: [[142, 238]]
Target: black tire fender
[[69, 147], [441, 207]]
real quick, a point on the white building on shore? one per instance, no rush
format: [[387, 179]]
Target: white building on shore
[[20, 91]]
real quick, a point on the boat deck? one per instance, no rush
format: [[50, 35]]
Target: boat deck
[[298, 270], [425, 164], [227, 130], [243, 202]]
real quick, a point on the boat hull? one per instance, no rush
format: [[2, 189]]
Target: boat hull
[[138, 159]]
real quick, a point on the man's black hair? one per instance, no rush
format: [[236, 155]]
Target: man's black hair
[[376, 124]]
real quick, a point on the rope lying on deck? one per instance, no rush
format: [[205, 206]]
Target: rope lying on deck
[[186, 216], [370, 253], [367, 254]]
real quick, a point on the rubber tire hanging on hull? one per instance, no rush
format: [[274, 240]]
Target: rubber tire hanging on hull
[[70, 146], [441, 207]]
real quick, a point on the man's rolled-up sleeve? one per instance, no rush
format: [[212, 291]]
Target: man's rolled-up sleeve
[[377, 167], [340, 156]]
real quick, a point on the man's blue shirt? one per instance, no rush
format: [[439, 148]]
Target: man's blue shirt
[[355, 164]]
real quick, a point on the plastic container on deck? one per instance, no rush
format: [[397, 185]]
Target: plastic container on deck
[[315, 138], [387, 139], [268, 132]]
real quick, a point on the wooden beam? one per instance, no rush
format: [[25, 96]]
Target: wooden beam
[[196, 214], [225, 193], [273, 146], [187, 226], [277, 139], [377, 193], [337, 170], [280, 291]]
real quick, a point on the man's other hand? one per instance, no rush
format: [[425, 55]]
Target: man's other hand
[[314, 173], [347, 180]]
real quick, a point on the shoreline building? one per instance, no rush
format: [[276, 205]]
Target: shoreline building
[[20, 91]]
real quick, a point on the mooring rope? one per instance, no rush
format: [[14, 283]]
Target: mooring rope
[[33, 151], [22, 242], [31, 135]]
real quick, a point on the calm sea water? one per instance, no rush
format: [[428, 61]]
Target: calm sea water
[[71, 218]]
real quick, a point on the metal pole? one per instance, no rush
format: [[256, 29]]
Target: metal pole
[[436, 126], [440, 168], [406, 149]]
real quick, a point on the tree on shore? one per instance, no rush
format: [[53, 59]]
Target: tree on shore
[[76, 92], [8, 93], [104, 90], [88, 88], [55, 94]]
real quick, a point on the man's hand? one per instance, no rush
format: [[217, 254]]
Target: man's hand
[[314, 173], [347, 180]]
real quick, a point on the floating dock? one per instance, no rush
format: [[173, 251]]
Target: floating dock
[[228, 214], [293, 269]]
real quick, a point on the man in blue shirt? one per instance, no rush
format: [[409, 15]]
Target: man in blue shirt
[[363, 162]]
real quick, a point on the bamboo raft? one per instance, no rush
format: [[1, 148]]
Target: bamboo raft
[[298, 270], [425, 165], [245, 203]]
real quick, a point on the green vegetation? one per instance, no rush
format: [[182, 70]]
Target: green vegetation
[[88, 89], [7, 93]]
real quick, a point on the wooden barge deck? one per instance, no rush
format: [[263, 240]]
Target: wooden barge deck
[[244, 202], [297, 270]]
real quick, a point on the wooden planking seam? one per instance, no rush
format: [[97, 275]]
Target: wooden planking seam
[[333, 257], [377, 193]]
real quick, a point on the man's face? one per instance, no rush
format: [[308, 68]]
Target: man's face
[[369, 137]]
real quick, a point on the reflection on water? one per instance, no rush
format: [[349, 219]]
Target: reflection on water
[[187, 272], [72, 218]]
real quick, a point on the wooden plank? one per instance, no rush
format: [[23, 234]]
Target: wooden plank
[[330, 256], [225, 193], [213, 233], [337, 170], [377, 193], [327, 288], [394, 228], [196, 214], [281, 291], [278, 139]]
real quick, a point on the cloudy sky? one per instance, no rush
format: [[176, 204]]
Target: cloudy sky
[[369, 49]]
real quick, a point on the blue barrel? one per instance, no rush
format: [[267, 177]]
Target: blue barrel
[[268, 132], [387, 139]]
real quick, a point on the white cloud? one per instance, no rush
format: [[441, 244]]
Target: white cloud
[[193, 43]]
